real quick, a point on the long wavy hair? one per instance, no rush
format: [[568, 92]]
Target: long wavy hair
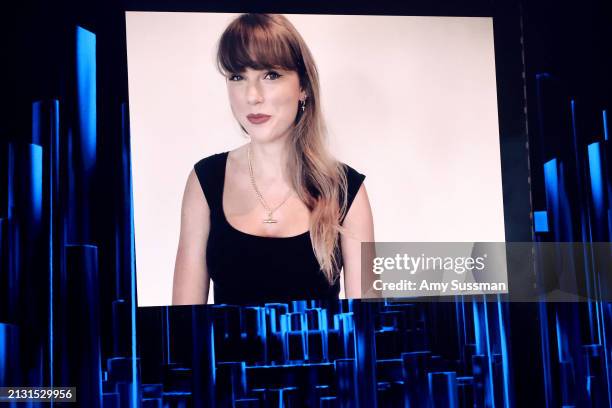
[[268, 41]]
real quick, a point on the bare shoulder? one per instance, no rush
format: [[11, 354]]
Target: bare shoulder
[[359, 227], [194, 196], [191, 281], [360, 211]]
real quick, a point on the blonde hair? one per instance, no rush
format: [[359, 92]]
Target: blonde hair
[[264, 41]]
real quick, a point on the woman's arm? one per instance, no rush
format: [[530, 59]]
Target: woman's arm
[[360, 228], [191, 279]]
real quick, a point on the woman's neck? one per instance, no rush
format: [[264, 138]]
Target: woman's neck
[[269, 160]]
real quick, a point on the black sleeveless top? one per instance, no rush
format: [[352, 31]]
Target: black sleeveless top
[[251, 269]]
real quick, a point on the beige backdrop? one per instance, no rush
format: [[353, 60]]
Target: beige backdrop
[[410, 102]]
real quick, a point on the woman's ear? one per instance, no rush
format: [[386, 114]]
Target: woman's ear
[[303, 94]]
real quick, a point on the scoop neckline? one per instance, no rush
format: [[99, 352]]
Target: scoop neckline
[[226, 221]]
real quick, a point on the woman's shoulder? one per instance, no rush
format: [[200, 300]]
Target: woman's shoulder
[[217, 162], [354, 179], [209, 161], [209, 172]]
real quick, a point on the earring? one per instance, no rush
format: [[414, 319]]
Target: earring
[[303, 104]]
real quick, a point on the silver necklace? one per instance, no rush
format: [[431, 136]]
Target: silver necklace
[[269, 211]]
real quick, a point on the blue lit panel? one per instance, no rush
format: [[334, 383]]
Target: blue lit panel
[[86, 94], [37, 183], [540, 220], [552, 183], [596, 176], [9, 352], [605, 124]]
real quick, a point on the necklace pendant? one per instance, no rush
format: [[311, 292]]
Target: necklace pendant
[[270, 220]]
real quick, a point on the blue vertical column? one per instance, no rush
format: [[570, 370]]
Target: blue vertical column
[[553, 200], [84, 365], [10, 367], [496, 351], [598, 177], [230, 382], [317, 334], [601, 222], [344, 323], [123, 232], [121, 323], [581, 197], [24, 222], [598, 183], [414, 373], [345, 373], [365, 353], [275, 344], [567, 321], [82, 140], [227, 330], [483, 394], [45, 130], [586, 226], [597, 392], [504, 350], [606, 311], [608, 145], [27, 301], [558, 210], [4, 281], [123, 309], [254, 323], [203, 356], [482, 361], [119, 381], [594, 223], [126, 287], [548, 283], [78, 319], [443, 390], [295, 337]]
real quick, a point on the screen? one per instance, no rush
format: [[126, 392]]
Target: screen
[[410, 102]]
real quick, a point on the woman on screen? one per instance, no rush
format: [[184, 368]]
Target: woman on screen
[[278, 218]]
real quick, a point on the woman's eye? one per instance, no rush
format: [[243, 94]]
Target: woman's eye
[[273, 75]]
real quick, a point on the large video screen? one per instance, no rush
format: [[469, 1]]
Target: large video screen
[[409, 102]]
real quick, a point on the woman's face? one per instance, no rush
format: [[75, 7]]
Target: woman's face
[[265, 102]]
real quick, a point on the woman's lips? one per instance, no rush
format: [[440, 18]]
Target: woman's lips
[[258, 119]]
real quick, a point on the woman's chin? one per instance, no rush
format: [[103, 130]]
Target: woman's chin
[[260, 137]]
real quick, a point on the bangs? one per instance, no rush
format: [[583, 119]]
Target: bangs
[[257, 42]]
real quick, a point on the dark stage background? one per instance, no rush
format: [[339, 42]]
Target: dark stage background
[[68, 315]]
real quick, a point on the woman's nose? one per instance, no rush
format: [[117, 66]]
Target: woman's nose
[[254, 94]]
